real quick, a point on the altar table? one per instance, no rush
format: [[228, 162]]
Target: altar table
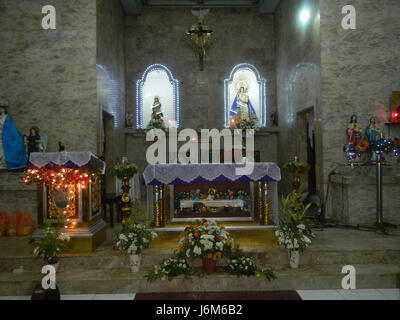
[[160, 179]]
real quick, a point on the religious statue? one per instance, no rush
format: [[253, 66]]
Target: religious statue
[[12, 150], [242, 109], [35, 142], [61, 146], [353, 131], [372, 131], [157, 117], [129, 120]]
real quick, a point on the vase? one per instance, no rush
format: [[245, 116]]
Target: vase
[[134, 260], [294, 259], [209, 265]]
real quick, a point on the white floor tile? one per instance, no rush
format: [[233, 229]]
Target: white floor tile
[[15, 298], [128, 296], [320, 295], [391, 294], [365, 294], [77, 296]]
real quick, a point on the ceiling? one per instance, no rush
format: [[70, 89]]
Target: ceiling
[[136, 6]]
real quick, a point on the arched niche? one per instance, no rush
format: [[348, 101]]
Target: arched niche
[[157, 82], [245, 77]]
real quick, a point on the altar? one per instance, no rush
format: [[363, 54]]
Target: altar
[[69, 193], [186, 192]]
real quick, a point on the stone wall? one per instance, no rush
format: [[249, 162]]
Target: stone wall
[[352, 195], [298, 78], [49, 73], [111, 79], [48, 77], [240, 35], [360, 69]]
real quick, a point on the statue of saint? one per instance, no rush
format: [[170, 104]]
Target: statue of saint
[[372, 131], [353, 131], [12, 149], [157, 117], [36, 141], [242, 109]]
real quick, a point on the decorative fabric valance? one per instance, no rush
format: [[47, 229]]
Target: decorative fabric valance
[[39, 160], [173, 174]]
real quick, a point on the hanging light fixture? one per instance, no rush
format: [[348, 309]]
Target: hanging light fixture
[[200, 36]]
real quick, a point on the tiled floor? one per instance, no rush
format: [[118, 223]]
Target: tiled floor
[[370, 294]]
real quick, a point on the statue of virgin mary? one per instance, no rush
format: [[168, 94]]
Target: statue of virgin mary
[[12, 148], [242, 109]]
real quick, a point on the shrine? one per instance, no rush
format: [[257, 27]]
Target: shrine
[[220, 150]]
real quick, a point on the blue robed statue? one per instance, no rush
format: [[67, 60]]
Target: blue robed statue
[[12, 148], [242, 109]]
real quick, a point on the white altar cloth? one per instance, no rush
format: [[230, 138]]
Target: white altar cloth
[[167, 174]]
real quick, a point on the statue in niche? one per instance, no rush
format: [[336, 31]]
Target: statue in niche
[[36, 141], [353, 131], [12, 149], [372, 132], [157, 117], [242, 109], [129, 118]]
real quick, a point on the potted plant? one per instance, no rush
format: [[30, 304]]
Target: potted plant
[[134, 238], [206, 240], [294, 232], [51, 245]]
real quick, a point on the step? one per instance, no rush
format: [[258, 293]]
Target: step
[[322, 277], [270, 256]]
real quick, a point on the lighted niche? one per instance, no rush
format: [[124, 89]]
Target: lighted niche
[[157, 94], [245, 96]]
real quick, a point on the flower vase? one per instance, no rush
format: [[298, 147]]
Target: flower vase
[[134, 260], [209, 265], [294, 259]]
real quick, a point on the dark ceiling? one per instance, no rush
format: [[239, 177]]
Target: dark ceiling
[[136, 6]]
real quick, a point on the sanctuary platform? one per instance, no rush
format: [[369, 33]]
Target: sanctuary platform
[[376, 258]]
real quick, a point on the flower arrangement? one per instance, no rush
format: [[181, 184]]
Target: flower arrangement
[[169, 269], [240, 265], [123, 170], [205, 239], [245, 124], [135, 236], [294, 232], [51, 245]]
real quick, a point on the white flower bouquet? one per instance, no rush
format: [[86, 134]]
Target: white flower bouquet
[[294, 232], [169, 269], [205, 239], [135, 238]]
